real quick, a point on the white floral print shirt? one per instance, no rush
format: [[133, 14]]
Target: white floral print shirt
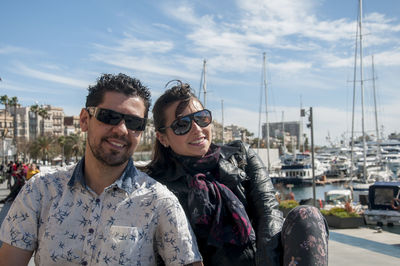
[[131, 222]]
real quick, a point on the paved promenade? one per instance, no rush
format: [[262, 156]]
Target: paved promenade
[[356, 247]]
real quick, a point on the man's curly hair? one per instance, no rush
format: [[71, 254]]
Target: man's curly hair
[[118, 83]]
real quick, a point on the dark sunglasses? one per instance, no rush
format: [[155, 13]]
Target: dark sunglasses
[[182, 125], [113, 118]]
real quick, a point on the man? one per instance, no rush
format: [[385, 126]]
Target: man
[[103, 211]]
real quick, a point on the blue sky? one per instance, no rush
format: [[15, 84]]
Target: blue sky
[[50, 51]]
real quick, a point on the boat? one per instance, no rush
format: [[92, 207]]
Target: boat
[[337, 198], [297, 169], [370, 169], [382, 208]]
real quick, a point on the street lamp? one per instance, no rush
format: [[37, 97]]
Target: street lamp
[[303, 113]]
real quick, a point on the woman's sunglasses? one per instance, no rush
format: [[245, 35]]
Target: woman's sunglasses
[[113, 118], [182, 125]]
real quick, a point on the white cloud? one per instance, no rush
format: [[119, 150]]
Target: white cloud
[[130, 44], [158, 66], [8, 49], [37, 74]]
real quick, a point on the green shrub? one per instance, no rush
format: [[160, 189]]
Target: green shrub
[[340, 212], [288, 204]]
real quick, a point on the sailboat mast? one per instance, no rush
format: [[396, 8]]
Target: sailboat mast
[[283, 133], [222, 112], [259, 117], [378, 139], [266, 108], [362, 94], [204, 83], [354, 103]]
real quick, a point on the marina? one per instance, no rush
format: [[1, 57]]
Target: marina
[[361, 246]]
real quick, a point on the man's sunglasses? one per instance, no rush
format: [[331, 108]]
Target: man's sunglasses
[[182, 125], [113, 118]]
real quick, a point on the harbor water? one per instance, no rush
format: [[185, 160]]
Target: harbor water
[[306, 192]]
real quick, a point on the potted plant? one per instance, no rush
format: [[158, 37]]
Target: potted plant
[[342, 218], [287, 205]]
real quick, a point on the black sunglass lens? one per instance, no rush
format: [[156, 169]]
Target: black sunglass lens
[[182, 125], [202, 118], [134, 123], [112, 117]]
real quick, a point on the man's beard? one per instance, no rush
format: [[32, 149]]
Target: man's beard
[[112, 158]]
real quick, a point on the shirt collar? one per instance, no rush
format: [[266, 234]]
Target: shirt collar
[[125, 181]]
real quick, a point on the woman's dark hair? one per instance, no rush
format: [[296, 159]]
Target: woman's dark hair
[[182, 93], [118, 83]]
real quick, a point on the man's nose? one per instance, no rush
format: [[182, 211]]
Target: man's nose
[[121, 128]]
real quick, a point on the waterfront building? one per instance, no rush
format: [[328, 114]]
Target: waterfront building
[[30, 125], [6, 124], [290, 132]]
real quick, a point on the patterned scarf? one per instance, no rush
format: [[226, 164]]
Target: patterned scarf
[[215, 212]]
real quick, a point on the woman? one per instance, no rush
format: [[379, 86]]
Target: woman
[[33, 170], [226, 192], [20, 177]]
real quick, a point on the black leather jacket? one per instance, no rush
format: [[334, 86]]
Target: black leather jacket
[[242, 171]]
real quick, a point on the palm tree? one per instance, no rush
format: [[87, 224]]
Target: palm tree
[[44, 146], [4, 100], [41, 111], [77, 146], [14, 102], [61, 140]]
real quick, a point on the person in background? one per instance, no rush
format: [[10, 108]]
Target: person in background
[[33, 170], [226, 192], [103, 211], [10, 174], [20, 177], [2, 173]]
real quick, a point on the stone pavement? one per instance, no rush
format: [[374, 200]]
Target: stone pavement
[[356, 247]]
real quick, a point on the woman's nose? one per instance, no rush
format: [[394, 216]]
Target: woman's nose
[[195, 127]]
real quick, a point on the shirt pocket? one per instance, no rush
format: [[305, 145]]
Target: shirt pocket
[[131, 244]]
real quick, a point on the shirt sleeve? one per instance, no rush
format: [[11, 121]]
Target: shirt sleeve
[[20, 226], [175, 240]]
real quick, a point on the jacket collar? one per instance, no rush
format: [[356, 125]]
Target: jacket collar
[[227, 151], [174, 174]]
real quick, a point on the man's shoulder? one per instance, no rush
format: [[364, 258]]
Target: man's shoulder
[[51, 174]]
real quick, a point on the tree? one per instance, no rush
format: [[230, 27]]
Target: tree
[[44, 146], [4, 100], [14, 102], [248, 133], [61, 140], [75, 145], [39, 111]]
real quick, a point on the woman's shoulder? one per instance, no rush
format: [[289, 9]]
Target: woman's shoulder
[[234, 148]]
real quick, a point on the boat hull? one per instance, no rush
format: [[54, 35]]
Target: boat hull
[[382, 217]]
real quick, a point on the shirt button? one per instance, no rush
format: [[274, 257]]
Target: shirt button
[[84, 262], [91, 231]]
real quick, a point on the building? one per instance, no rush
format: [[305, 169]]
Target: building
[[291, 132], [31, 125], [55, 123], [72, 126], [7, 150], [6, 124]]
